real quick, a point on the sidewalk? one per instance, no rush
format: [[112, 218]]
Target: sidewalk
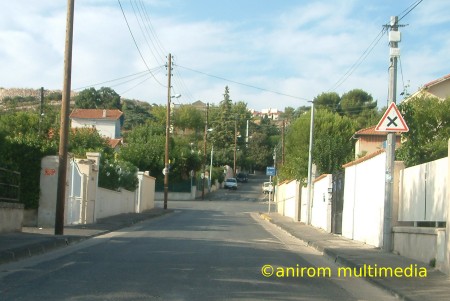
[[33, 241], [353, 254]]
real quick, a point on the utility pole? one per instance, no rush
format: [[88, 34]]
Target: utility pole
[[64, 127], [282, 142], [311, 141], [204, 152], [235, 146], [394, 38], [166, 157], [41, 110]]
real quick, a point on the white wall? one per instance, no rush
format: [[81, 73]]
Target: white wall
[[362, 217], [107, 128], [321, 205], [287, 200], [304, 205], [145, 196], [111, 202], [11, 217], [423, 192]]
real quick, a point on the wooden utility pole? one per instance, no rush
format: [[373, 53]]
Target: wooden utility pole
[[166, 157], [64, 127], [235, 146]]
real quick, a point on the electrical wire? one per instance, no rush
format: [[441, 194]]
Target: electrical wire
[[359, 61], [137, 47], [409, 9], [242, 84], [161, 51], [136, 75], [144, 31], [370, 48]]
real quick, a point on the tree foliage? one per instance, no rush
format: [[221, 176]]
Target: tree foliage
[[332, 144], [24, 143], [136, 113], [429, 130], [104, 98]]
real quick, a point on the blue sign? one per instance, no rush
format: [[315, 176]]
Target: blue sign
[[271, 171]]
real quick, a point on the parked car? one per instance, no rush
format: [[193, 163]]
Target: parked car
[[242, 177], [267, 187], [230, 183]]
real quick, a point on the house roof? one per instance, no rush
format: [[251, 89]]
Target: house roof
[[96, 114], [370, 131], [436, 81], [114, 142]]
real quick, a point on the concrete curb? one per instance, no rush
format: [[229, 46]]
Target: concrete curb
[[39, 248]]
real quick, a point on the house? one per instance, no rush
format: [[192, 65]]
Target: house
[[368, 141], [439, 88], [106, 122], [271, 113]]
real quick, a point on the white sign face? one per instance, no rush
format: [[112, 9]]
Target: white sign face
[[392, 121]]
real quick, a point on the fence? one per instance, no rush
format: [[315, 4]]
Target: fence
[[423, 192], [9, 185]]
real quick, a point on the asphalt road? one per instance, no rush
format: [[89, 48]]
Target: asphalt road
[[206, 250]]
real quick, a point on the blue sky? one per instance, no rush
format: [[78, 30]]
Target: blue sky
[[275, 53]]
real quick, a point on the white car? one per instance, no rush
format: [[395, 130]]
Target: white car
[[267, 187], [230, 183]]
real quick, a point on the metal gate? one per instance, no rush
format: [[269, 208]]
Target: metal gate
[[76, 193], [337, 202]]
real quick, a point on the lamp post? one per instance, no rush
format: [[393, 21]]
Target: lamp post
[[311, 140]]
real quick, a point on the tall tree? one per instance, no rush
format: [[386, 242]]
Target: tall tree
[[359, 105], [327, 100], [105, 98], [332, 144], [224, 130], [429, 130]]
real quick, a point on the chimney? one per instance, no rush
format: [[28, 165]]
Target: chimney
[[104, 113]]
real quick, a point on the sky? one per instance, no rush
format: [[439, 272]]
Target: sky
[[271, 54]]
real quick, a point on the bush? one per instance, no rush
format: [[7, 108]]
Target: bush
[[116, 174]]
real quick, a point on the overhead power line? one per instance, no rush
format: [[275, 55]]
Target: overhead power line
[[133, 77], [369, 49], [243, 84], [135, 43], [409, 9]]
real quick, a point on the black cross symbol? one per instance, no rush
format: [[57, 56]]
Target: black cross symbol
[[392, 121]]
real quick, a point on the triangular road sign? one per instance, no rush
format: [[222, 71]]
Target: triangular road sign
[[392, 121]]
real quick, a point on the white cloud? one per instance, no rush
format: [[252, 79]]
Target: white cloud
[[301, 48]]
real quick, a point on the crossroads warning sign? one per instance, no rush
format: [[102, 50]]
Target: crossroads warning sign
[[392, 121]]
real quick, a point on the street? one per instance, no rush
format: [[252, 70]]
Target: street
[[213, 249]]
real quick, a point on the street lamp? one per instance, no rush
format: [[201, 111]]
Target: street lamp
[[311, 140]]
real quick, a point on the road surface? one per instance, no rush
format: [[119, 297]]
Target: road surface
[[216, 249]]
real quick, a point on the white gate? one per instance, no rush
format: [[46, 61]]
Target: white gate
[[76, 192]]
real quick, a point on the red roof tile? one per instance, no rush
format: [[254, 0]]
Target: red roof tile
[[114, 142], [96, 114], [436, 81], [370, 131]]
